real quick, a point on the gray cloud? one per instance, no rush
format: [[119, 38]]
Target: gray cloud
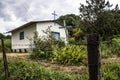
[[3, 13], [14, 13], [18, 8], [28, 10]]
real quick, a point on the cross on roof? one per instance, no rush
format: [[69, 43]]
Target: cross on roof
[[54, 14]]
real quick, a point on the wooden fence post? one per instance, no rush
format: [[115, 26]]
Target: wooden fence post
[[5, 60], [94, 58]]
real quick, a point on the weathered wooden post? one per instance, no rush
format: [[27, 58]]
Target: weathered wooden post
[[94, 58], [5, 60]]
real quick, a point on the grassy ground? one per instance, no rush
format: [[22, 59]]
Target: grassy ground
[[63, 68]]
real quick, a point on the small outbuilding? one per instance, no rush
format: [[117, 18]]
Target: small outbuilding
[[21, 35]]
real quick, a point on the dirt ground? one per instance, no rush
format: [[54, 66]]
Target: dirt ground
[[50, 65], [16, 55]]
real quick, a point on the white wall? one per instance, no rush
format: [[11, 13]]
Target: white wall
[[28, 33], [54, 27]]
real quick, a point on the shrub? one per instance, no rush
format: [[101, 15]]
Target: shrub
[[43, 46], [70, 54]]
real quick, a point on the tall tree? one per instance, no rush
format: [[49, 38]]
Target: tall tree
[[96, 17], [93, 8], [109, 24]]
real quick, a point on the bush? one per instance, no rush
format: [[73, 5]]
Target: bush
[[43, 47], [70, 54]]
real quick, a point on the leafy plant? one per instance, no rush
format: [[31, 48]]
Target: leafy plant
[[70, 54], [43, 46]]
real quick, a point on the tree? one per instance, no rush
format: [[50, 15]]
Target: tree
[[91, 11], [8, 36], [2, 35], [73, 22], [110, 24], [98, 17]]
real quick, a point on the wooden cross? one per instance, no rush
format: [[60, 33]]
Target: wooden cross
[[54, 14]]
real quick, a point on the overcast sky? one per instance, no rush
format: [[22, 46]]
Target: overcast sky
[[14, 13]]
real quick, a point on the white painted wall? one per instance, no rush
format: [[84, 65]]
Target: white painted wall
[[28, 33], [54, 27]]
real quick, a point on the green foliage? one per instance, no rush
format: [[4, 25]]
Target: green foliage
[[91, 10], [7, 45], [111, 71], [2, 36], [108, 24], [98, 17], [73, 24], [7, 42], [116, 46], [78, 34], [111, 49], [70, 54], [106, 50], [43, 47], [71, 20], [20, 70], [49, 48]]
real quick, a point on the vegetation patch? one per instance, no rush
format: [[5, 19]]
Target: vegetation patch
[[70, 54], [21, 70], [7, 43], [111, 48], [111, 71]]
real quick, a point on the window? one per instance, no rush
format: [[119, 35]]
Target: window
[[21, 35], [56, 35]]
